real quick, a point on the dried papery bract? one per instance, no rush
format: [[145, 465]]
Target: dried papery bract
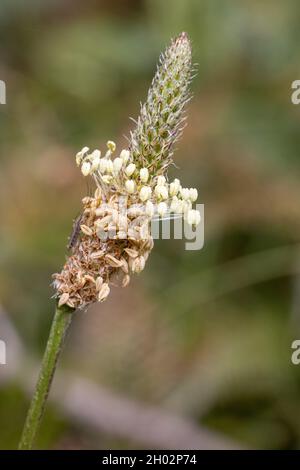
[[97, 257], [115, 242]]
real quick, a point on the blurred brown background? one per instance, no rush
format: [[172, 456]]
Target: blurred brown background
[[196, 351]]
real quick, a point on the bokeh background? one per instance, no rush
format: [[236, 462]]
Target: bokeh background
[[197, 350]]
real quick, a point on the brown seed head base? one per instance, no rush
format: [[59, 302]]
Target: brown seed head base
[[97, 262]]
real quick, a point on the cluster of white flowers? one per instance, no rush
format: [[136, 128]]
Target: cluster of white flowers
[[93, 164], [122, 176]]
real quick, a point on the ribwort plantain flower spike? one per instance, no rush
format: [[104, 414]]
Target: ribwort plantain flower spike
[[115, 239]]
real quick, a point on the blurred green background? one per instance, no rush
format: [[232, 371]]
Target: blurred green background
[[206, 335]]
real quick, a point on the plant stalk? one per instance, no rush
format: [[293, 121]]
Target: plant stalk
[[62, 319]]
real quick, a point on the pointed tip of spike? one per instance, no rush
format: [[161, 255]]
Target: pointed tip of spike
[[182, 37]]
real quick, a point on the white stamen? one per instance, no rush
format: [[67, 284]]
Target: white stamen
[[111, 145], [193, 217], [130, 186], [149, 208], [130, 169], [118, 163], [144, 175], [193, 194], [125, 154], [145, 193], [86, 168], [162, 208]]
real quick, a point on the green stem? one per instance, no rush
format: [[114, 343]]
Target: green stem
[[62, 319]]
